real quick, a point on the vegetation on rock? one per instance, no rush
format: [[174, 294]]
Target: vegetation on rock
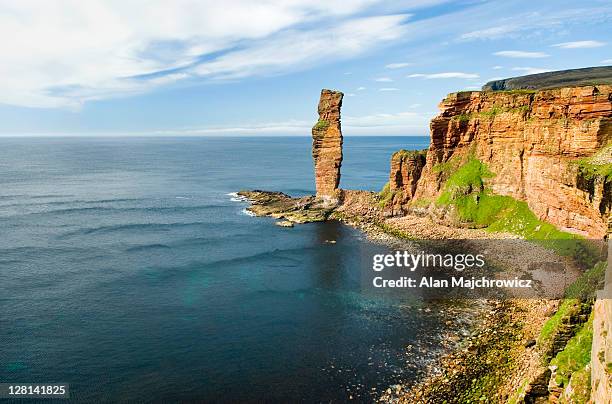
[[576, 354], [597, 166], [321, 125], [466, 191]]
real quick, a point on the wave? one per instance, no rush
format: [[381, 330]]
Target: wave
[[100, 209], [207, 241], [236, 198], [55, 203], [247, 212], [132, 227], [147, 247], [196, 266]]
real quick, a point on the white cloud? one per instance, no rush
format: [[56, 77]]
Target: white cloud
[[580, 44], [530, 70], [383, 79], [448, 75], [406, 122], [606, 61], [360, 88], [490, 33], [65, 53], [405, 119], [298, 50], [519, 20], [498, 67], [388, 89], [398, 65], [521, 54]]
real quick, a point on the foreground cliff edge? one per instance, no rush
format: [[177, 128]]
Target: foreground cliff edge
[[534, 164]]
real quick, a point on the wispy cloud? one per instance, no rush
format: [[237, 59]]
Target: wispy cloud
[[447, 75], [278, 55], [383, 79], [490, 33], [67, 53], [606, 61], [580, 45], [502, 20], [497, 67], [530, 70], [360, 88], [406, 122], [382, 123], [521, 54], [388, 89], [398, 65]]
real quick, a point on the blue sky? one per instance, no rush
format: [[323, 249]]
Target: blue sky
[[241, 67]]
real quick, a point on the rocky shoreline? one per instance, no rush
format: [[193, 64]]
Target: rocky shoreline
[[499, 352], [513, 165]]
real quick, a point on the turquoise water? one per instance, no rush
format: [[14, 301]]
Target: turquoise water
[[130, 273]]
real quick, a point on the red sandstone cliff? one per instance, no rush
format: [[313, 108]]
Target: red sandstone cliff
[[327, 146], [532, 142], [406, 168]]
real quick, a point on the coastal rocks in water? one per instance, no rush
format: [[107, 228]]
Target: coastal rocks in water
[[284, 223], [327, 147], [281, 206], [543, 147], [352, 206], [406, 167]]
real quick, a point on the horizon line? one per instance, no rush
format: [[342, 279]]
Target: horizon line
[[144, 135]]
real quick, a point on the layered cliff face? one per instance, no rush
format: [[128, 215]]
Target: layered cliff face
[[406, 168], [551, 148], [327, 146]]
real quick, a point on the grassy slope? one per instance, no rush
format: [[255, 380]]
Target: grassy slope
[[465, 190]]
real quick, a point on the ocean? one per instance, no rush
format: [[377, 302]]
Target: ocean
[[130, 271]]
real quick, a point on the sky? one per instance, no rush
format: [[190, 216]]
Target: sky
[[244, 67]]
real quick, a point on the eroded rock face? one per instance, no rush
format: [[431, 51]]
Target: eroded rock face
[[601, 352], [531, 141], [406, 168], [327, 146]]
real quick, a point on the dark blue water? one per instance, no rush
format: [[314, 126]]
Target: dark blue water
[[128, 272]]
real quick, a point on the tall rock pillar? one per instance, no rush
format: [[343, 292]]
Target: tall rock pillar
[[327, 146]]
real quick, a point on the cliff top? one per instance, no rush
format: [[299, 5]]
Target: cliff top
[[327, 90], [548, 80]]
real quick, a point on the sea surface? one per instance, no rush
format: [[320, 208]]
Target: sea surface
[[130, 271]]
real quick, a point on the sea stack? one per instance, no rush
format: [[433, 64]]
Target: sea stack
[[327, 146]]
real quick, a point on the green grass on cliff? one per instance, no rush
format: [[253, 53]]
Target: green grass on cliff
[[578, 298], [491, 113], [410, 153], [576, 354], [573, 359], [588, 284], [321, 124], [386, 195], [568, 309], [466, 191], [598, 165]]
